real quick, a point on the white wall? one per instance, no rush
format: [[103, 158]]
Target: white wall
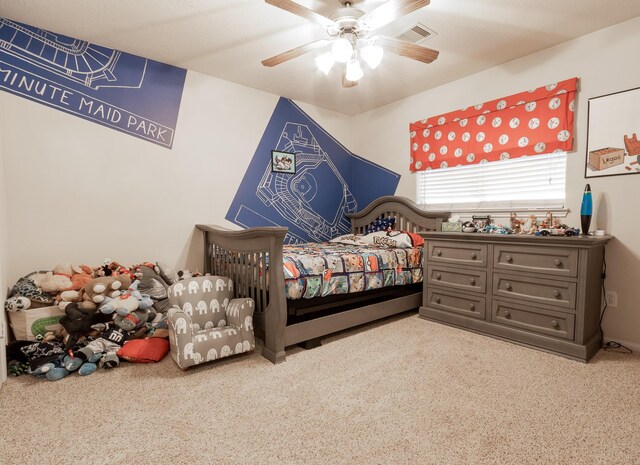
[[605, 61], [3, 264], [79, 192]]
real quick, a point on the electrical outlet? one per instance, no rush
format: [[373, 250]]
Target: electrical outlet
[[611, 298]]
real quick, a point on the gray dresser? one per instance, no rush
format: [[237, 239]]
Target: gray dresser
[[543, 292]]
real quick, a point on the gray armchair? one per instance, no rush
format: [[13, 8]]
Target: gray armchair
[[206, 322]]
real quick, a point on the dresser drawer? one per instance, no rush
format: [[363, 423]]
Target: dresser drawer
[[457, 253], [468, 279], [533, 319], [548, 260], [450, 301], [543, 291]]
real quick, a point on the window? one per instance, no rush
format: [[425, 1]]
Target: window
[[525, 183]]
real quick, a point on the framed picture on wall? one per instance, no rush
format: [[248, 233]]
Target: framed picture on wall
[[613, 126], [283, 162]]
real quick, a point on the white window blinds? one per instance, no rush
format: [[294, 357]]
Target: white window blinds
[[533, 182]]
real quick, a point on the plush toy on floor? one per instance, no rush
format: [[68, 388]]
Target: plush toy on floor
[[153, 284], [98, 289], [80, 276], [130, 300], [26, 294], [102, 350], [63, 367], [53, 371], [78, 322]]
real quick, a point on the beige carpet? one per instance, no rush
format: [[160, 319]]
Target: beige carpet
[[404, 391]]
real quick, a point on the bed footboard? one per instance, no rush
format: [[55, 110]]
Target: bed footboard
[[243, 256]]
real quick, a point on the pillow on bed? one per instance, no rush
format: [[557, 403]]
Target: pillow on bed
[[394, 239], [381, 224], [349, 239]]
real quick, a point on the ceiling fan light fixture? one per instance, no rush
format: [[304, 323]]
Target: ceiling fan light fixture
[[341, 50], [372, 55], [325, 62], [354, 71]]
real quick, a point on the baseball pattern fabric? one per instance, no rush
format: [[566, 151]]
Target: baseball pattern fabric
[[528, 123]]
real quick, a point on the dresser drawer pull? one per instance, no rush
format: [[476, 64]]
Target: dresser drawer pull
[[438, 252], [437, 299], [438, 276], [473, 256], [472, 307], [557, 262], [472, 281], [508, 258], [507, 314], [507, 286], [554, 323], [556, 293]]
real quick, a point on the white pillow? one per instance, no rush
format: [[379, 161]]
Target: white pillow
[[394, 239], [349, 239]]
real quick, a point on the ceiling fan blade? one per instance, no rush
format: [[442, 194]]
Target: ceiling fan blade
[[302, 11], [347, 84], [390, 11], [294, 52], [407, 49]]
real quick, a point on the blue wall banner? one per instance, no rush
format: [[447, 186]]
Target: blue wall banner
[[126, 92], [328, 181]]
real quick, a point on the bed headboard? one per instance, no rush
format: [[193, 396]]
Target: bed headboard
[[409, 216]]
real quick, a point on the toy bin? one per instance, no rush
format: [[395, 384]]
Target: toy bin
[[27, 324]]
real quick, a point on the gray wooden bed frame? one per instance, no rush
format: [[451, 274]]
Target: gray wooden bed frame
[[242, 256]]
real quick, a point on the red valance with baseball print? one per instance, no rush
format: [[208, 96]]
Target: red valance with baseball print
[[528, 123]]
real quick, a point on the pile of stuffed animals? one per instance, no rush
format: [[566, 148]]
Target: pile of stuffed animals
[[104, 307]]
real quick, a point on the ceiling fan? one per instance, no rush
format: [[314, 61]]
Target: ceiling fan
[[351, 33]]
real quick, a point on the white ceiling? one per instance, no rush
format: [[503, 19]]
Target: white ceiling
[[229, 38]]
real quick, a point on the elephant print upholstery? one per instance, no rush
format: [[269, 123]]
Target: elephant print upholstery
[[179, 288], [207, 302]]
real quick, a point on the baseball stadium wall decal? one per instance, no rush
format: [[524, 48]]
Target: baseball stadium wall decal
[[312, 198], [135, 95]]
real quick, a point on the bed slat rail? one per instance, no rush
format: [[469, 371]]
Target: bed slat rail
[[244, 257]]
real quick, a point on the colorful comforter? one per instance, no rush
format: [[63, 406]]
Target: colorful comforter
[[318, 270]]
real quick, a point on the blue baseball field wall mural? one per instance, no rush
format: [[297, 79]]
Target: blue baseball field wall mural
[[327, 182], [125, 92]]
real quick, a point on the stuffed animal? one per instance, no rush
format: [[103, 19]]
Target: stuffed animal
[[63, 278], [127, 301], [96, 290], [17, 304], [26, 294], [155, 285], [134, 321], [111, 268], [79, 275], [103, 350], [66, 297], [36, 355], [186, 274], [78, 322], [59, 368], [52, 283], [166, 273]]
